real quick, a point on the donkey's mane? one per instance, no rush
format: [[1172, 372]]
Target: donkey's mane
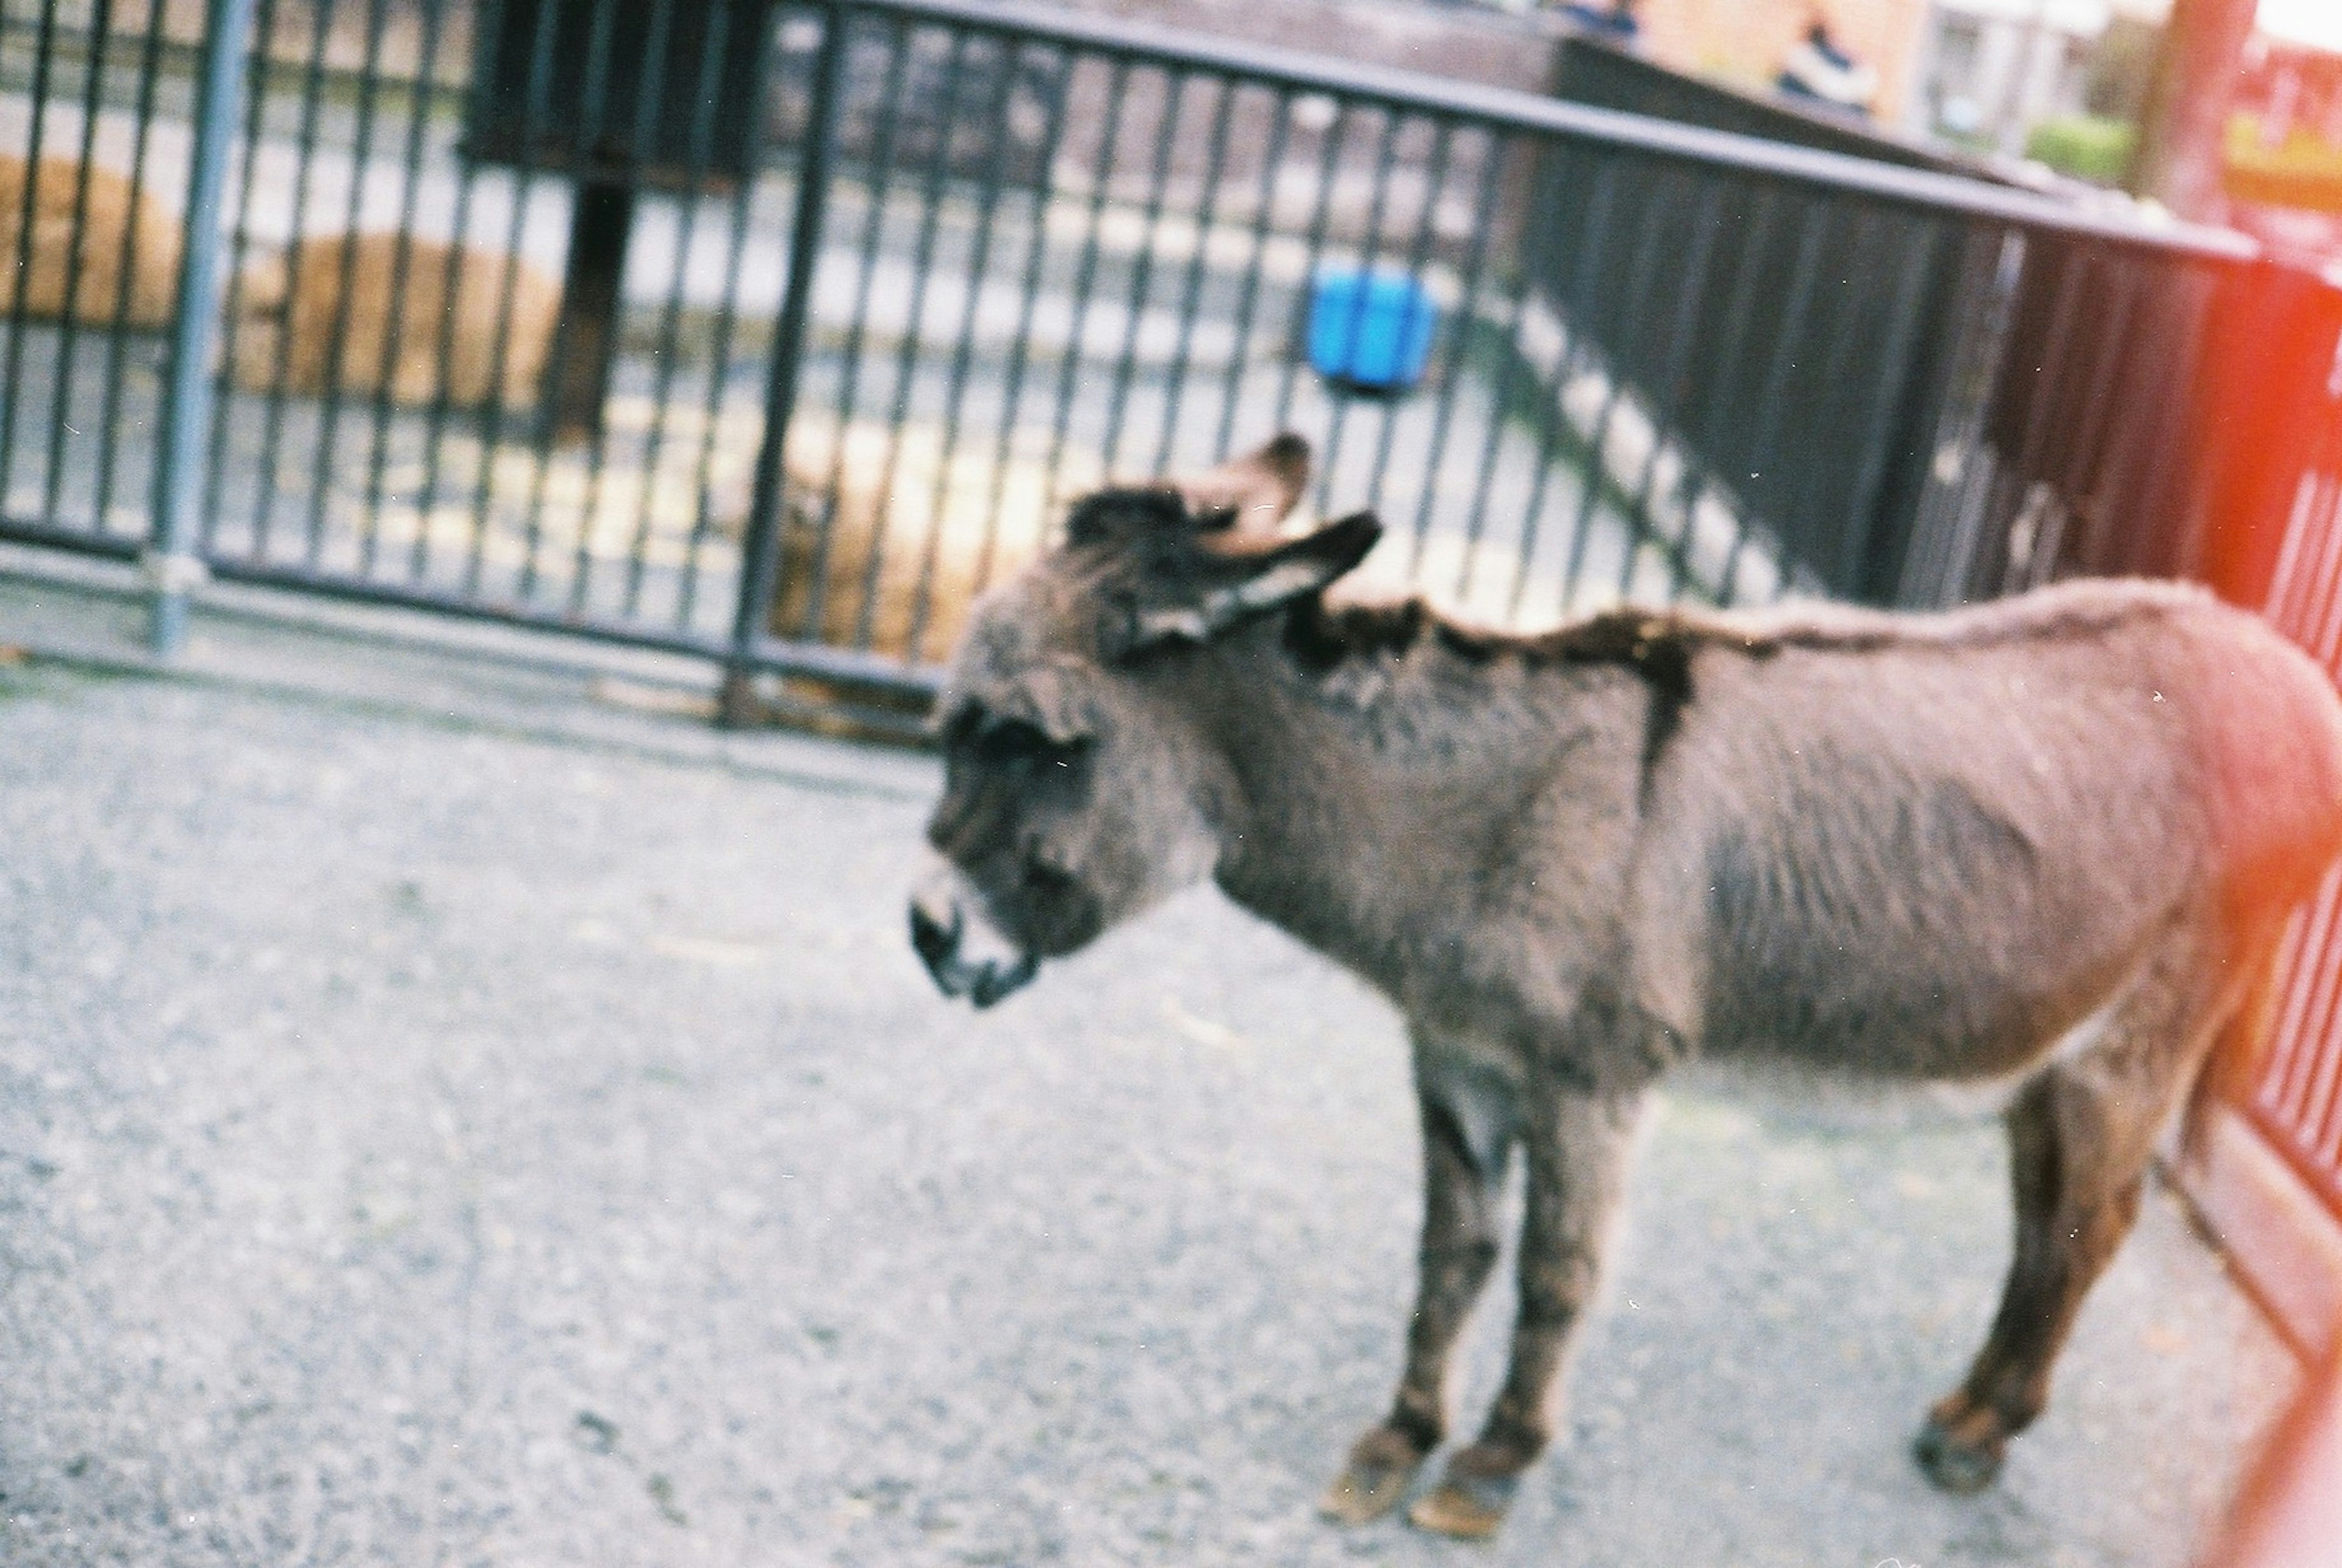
[[1658, 646], [1660, 643]]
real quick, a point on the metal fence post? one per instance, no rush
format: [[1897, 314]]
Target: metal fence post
[[172, 563], [2271, 386], [760, 560]]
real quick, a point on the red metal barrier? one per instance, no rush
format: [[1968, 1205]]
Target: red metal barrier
[[2264, 1158], [2268, 411], [2289, 1512]]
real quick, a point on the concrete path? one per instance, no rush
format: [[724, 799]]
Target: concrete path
[[456, 1108]]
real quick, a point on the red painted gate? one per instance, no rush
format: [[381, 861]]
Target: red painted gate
[[2263, 1155]]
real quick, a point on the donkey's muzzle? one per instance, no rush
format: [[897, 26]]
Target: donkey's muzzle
[[963, 963]]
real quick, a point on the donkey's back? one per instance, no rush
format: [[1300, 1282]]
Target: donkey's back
[[1936, 845]]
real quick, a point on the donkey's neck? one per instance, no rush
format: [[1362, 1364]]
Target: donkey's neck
[[1382, 774]]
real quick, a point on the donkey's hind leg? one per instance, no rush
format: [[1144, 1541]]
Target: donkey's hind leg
[[2080, 1136]]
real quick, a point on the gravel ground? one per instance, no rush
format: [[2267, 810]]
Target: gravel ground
[[445, 1116]]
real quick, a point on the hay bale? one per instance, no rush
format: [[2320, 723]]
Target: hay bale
[[113, 229], [341, 292]]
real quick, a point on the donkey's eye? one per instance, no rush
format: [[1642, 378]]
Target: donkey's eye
[[1012, 741]]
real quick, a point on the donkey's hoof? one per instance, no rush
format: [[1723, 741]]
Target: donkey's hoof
[[1374, 1478], [1362, 1494], [1958, 1465], [1468, 1507]]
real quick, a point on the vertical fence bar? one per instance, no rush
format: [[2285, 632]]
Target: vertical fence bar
[[239, 256], [172, 567], [701, 149], [1069, 367], [996, 124], [1427, 221], [1459, 337], [2170, 500], [1272, 162], [1641, 274], [332, 394], [1370, 246], [109, 415], [2080, 486], [650, 102], [2154, 331], [1521, 297], [1142, 268], [1191, 295], [1329, 169], [395, 329], [281, 378], [762, 556], [1775, 398], [528, 162], [1937, 571], [486, 23], [2051, 369], [877, 186], [906, 355], [1758, 219], [20, 308], [1869, 504], [721, 341], [68, 367], [1666, 397], [1827, 408], [1012, 394]]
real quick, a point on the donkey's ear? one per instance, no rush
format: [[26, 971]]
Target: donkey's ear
[[1253, 493], [1236, 587]]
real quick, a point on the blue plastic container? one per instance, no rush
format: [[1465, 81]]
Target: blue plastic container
[[1371, 330]]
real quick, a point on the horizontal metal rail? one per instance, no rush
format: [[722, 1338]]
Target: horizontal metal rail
[[776, 655], [34, 531], [1499, 108]]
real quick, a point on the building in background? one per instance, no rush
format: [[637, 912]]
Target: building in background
[[2287, 95], [1746, 41], [2061, 82], [1993, 69], [2284, 176]]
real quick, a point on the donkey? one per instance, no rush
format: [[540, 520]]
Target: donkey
[[2044, 846]]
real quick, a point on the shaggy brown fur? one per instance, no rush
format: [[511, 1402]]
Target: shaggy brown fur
[[887, 535], [359, 325], [114, 231], [917, 527], [2043, 847]]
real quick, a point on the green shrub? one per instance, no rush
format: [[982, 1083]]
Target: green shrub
[[2083, 145]]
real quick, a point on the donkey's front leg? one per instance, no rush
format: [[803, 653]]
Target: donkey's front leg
[[1577, 1146], [1469, 1119]]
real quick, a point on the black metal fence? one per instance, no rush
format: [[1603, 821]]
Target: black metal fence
[[555, 310]]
